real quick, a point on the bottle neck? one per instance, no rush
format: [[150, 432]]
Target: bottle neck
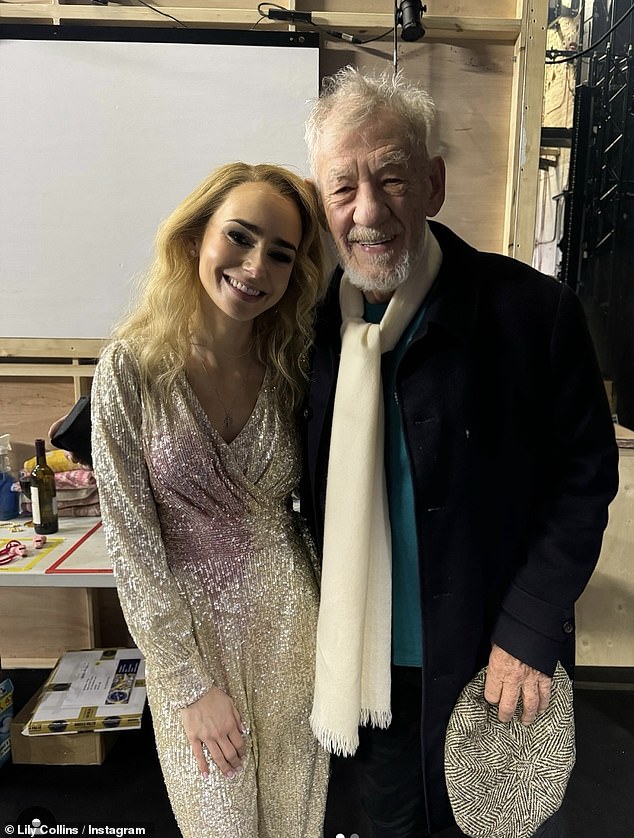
[[40, 452]]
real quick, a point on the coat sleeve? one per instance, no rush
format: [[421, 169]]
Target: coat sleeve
[[564, 541], [157, 614]]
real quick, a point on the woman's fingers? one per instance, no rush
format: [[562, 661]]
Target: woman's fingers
[[239, 735], [215, 732], [225, 756], [199, 756], [236, 738]]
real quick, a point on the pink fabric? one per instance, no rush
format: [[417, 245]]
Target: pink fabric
[[76, 494], [80, 478]]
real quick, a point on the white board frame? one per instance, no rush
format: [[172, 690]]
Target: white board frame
[[104, 131]]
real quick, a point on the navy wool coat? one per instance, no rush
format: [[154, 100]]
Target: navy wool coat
[[514, 462]]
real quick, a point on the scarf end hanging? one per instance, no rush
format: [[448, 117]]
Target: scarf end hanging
[[345, 745]]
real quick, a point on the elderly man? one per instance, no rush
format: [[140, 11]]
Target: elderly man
[[478, 496]]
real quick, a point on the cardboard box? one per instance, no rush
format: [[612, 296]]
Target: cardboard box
[[91, 690], [86, 748]]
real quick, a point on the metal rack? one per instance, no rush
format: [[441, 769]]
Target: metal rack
[[598, 243]]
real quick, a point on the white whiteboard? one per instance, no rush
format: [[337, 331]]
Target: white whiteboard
[[101, 139]]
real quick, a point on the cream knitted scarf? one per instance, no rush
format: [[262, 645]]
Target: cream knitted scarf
[[354, 631]]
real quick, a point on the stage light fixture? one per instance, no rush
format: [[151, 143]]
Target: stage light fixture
[[409, 14]]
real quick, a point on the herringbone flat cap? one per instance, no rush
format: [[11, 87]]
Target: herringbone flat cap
[[504, 778]]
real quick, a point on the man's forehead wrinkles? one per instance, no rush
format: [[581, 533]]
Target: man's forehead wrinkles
[[377, 161], [394, 158], [340, 171]]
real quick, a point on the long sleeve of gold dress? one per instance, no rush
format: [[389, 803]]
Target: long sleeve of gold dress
[[217, 583]]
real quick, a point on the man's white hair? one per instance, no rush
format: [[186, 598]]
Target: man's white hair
[[349, 98]]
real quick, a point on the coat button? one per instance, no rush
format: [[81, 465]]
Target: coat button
[[308, 413], [568, 627]]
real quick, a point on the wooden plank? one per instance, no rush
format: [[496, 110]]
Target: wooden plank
[[47, 370], [38, 625], [438, 27], [445, 8], [51, 347], [623, 433], [29, 663], [605, 611], [515, 150], [525, 133]]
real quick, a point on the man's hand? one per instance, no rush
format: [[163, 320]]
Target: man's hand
[[507, 678], [214, 721]]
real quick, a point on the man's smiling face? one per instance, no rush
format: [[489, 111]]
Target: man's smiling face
[[377, 192]]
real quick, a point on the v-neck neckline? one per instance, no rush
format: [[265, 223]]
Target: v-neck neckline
[[211, 426]]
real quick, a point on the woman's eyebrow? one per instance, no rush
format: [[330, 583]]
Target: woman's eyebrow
[[258, 231]]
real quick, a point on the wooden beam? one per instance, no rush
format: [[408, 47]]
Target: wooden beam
[[438, 28], [47, 370], [51, 347], [525, 132]]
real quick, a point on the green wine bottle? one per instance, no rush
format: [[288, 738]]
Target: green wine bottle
[[43, 500]]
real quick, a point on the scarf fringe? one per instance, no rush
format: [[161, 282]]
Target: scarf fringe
[[346, 746], [375, 718], [334, 743]]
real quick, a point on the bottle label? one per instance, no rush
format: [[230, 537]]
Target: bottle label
[[35, 505]]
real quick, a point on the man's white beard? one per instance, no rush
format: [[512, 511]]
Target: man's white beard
[[387, 281]]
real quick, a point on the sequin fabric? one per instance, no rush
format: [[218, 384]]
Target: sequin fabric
[[218, 584]]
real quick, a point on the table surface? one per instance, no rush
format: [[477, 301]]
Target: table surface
[[75, 556]]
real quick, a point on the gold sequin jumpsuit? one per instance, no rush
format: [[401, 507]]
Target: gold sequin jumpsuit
[[218, 585]]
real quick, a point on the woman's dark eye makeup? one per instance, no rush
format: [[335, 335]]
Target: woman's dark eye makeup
[[240, 237], [279, 256], [243, 239]]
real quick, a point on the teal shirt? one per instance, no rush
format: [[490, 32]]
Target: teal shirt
[[407, 641]]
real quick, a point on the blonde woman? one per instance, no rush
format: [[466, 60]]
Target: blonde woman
[[196, 457]]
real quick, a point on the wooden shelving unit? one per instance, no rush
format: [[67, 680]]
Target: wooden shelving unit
[[50, 358]]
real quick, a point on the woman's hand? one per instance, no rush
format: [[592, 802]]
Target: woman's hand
[[213, 721]]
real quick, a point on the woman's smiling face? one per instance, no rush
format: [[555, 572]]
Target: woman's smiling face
[[248, 250]]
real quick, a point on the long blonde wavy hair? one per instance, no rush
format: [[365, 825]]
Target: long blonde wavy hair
[[160, 325]]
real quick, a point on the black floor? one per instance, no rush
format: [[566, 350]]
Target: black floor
[[128, 788]]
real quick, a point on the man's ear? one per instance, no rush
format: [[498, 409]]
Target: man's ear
[[437, 176], [322, 215]]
